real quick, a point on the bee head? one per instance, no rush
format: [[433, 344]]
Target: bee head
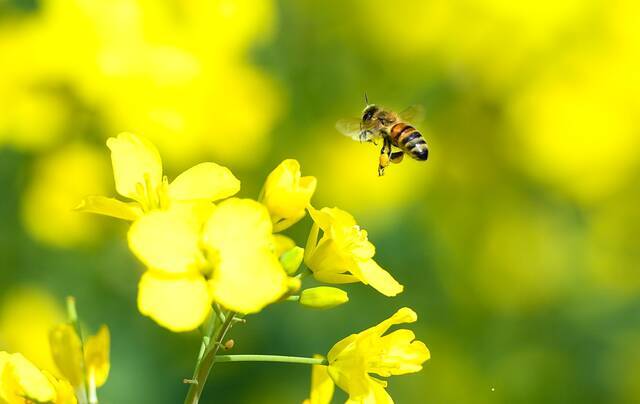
[[369, 112]]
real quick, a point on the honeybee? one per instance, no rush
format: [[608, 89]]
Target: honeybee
[[378, 123]]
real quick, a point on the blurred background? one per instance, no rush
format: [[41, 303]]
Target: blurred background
[[517, 241]]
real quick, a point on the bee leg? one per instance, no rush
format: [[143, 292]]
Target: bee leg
[[396, 157], [385, 154]]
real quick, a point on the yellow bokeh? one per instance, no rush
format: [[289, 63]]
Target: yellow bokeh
[[26, 316], [174, 70], [58, 183]]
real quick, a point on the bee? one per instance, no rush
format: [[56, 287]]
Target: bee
[[378, 123]]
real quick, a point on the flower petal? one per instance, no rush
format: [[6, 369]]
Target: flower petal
[[401, 355], [282, 244], [404, 315], [286, 194], [370, 273], [208, 181], [66, 349], [20, 379], [247, 282], [110, 207], [177, 303], [322, 386], [247, 274], [96, 356], [135, 161], [64, 390], [238, 223], [166, 241]]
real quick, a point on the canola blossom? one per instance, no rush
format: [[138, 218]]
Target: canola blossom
[[21, 382], [344, 254], [213, 258], [353, 359], [229, 258], [82, 367]]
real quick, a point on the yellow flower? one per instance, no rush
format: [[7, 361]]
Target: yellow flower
[[286, 194], [355, 357], [23, 383], [137, 170], [321, 385], [230, 259], [67, 352], [344, 254]]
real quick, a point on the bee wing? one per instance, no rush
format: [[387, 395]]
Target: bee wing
[[352, 127], [414, 113]]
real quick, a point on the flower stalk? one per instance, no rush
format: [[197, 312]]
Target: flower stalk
[[203, 367], [87, 393], [270, 358]]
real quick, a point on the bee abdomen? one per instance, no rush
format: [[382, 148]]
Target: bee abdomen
[[410, 140]]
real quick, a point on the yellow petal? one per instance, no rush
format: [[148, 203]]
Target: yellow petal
[[375, 395], [177, 303], [20, 379], [247, 282], [110, 207], [286, 194], [282, 244], [66, 350], [166, 241], [96, 356], [402, 354], [135, 161], [404, 315], [370, 273], [64, 391], [208, 181], [236, 223], [322, 386], [247, 274]]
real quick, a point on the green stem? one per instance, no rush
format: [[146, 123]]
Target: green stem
[[271, 358], [201, 373], [88, 395]]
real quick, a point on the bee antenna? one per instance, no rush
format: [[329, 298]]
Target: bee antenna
[[366, 99]]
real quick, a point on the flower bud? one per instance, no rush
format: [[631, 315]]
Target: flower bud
[[323, 297], [286, 194], [292, 259], [293, 284]]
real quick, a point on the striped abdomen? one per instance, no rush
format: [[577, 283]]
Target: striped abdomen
[[409, 140]]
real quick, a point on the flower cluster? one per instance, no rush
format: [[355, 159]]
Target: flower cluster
[[211, 256], [201, 245], [82, 367]]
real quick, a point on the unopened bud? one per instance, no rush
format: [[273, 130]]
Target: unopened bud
[[291, 259], [293, 284], [323, 297]]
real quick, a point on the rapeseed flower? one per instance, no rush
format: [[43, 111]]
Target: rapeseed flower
[[79, 362], [228, 257], [353, 359], [137, 169], [344, 253], [287, 194], [21, 382]]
